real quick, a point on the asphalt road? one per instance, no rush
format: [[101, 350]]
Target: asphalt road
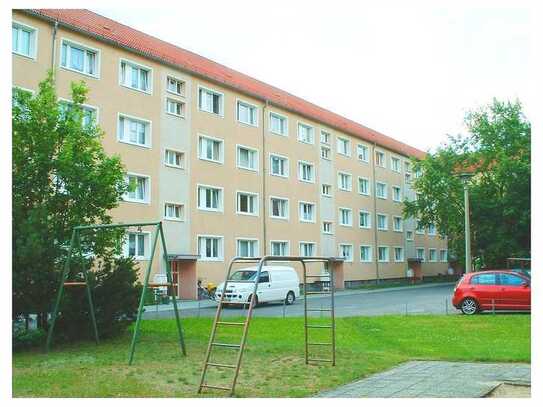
[[415, 300]]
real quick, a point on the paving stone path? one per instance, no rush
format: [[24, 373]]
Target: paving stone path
[[435, 379]]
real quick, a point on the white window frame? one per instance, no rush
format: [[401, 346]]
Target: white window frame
[[167, 164], [251, 150], [446, 260], [326, 148], [387, 252], [385, 189], [287, 165], [183, 107], [221, 149], [329, 195], [302, 162], [256, 198], [84, 106], [220, 248], [183, 208], [349, 178], [417, 231], [367, 160], [407, 235], [392, 159], [220, 200], [342, 140], [33, 40], [314, 213], [370, 260], [375, 152], [181, 81], [423, 258], [221, 104], [252, 240], [402, 259], [311, 132], [286, 242], [434, 250], [146, 244], [84, 47], [326, 143], [148, 133], [434, 232], [280, 116], [139, 66], [400, 193], [250, 106], [327, 222], [340, 218], [368, 217], [147, 198], [351, 256], [287, 217], [386, 222], [368, 184], [394, 224], [303, 242]]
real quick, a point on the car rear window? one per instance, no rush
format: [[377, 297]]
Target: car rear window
[[511, 279], [484, 279]]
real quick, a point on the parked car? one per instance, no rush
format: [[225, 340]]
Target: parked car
[[492, 289], [276, 283]]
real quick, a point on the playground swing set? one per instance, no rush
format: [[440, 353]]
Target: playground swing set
[[75, 243]]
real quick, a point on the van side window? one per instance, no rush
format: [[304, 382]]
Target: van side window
[[484, 279], [510, 279], [264, 277]]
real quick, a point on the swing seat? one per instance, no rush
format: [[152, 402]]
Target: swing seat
[[154, 285], [74, 283]]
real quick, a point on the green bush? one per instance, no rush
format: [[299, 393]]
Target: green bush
[[23, 339], [115, 293]]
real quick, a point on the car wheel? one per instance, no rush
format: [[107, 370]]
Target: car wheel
[[251, 297], [289, 300], [469, 306]]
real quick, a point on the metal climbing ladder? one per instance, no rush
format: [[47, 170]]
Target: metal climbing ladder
[[218, 323]]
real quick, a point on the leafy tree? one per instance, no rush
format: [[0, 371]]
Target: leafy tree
[[61, 178], [497, 151]]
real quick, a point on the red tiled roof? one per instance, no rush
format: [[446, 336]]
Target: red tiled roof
[[122, 35]]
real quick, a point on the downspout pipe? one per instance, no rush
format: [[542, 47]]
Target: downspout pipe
[[54, 48]]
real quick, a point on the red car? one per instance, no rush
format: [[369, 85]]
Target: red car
[[492, 289]]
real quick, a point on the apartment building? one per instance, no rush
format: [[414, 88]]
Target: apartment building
[[231, 165]]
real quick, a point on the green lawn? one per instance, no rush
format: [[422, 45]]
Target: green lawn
[[273, 364]]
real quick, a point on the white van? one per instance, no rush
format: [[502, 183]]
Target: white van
[[276, 283]]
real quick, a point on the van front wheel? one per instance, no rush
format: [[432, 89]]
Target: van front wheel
[[250, 299], [289, 300]]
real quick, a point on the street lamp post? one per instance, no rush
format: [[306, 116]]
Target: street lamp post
[[465, 177]]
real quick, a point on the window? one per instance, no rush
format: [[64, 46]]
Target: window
[[307, 212], [175, 86], [511, 279], [140, 191], [382, 252], [363, 186], [396, 194], [484, 279], [407, 178], [135, 131], [89, 114], [136, 245], [326, 190], [431, 229], [247, 158], [346, 251], [135, 76], [382, 222], [247, 247], [305, 133], [343, 146], [279, 208], [80, 58], [397, 224], [398, 254], [395, 164], [407, 166], [345, 181], [247, 203], [23, 39], [175, 107], [278, 165], [279, 248], [362, 152], [419, 229], [210, 198], [327, 228], [409, 235], [210, 149], [210, 101], [278, 124], [325, 137], [247, 113], [365, 254], [174, 158], [420, 254], [210, 248], [432, 255], [325, 152], [306, 171], [380, 159], [307, 249], [381, 190], [174, 211], [418, 172], [364, 220], [443, 256], [345, 217]]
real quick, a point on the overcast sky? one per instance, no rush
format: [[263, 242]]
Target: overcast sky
[[409, 72]]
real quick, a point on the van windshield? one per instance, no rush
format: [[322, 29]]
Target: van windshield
[[243, 275]]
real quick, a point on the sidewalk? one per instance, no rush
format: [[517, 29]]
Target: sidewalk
[[194, 304]]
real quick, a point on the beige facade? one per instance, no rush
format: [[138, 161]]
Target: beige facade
[[226, 226]]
